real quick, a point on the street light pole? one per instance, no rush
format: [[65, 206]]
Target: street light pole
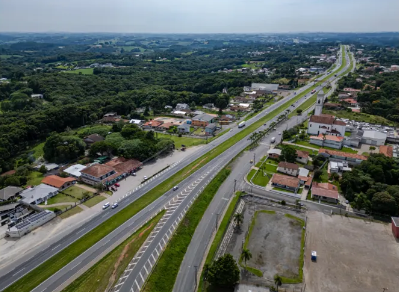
[[235, 181]]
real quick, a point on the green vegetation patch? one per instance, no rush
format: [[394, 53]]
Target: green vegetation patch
[[38, 150], [360, 117], [251, 174], [94, 201], [344, 149], [304, 106], [76, 192], [70, 213], [107, 271], [188, 141], [34, 178], [61, 198], [86, 71], [165, 272]]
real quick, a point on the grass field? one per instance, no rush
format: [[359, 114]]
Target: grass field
[[183, 140], [324, 176], [261, 180], [62, 207], [9, 56], [165, 272], [34, 178], [251, 174], [309, 102], [106, 272], [71, 212], [60, 198], [360, 117], [76, 192], [38, 150], [94, 201], [48, 268], [86, 71]]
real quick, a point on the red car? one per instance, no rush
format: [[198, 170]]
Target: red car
[[117, 185]]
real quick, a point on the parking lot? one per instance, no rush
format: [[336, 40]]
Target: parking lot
[[352, 255]]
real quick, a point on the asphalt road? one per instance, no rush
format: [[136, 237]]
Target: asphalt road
[[25, 265]]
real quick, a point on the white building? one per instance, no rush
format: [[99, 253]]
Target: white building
[[288, 168], [374, 138], [74, 170], [182, 106], [38, 194], [302, 156], [30, 223], [327, 141], [37, 96], [136, 122], [326, 124]]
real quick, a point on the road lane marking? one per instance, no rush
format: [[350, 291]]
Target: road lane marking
[[18, 271], [55, 247]]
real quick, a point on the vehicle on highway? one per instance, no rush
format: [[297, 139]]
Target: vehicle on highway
[[273, 139], [117, 185], [242, 124], [279, 133], [114, 205], [274, 128], [294, 92], [175, 188], [313, 91], [251, 161], [105, 206]]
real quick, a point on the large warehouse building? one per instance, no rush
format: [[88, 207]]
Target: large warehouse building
[[374, 138]]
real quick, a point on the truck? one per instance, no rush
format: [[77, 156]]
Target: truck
[[314, 256], [313, 91], [273, 139], [242, 124]]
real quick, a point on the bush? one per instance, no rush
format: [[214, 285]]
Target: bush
[[43, 169], [283, 203]]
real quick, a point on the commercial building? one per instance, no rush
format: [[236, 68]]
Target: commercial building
[[9, 193], [327, 141], [267, 87], [288, 168], [374, 138], [202, 120], [285, 182], [38, 194], [29, 223], [58, 182], [339, 156], [395, 226]]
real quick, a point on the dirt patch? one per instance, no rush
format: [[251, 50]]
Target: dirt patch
[[352, 255], [121, 257]]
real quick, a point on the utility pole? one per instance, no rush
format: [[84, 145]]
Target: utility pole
[[254, 159], [195, 276], [235, 181]]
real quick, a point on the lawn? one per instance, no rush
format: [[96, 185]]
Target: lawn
[[62, 207], [86, 71], [347, 134], [34, 178], [360, 117], [165, 272], [60, 198], [108, 270], [251, 174], [314, 152], [48, 268], [344, 149], [38, 150], [94, 201], [71, 212], [308, 103], [324, 177], [270, 168], [261, 180], [76, 192], [272, 161], [188, 141]]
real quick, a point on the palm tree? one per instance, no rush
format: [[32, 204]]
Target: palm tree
[[278, 281], [372, 148], [324, 139], [238, 219], [246, 255]]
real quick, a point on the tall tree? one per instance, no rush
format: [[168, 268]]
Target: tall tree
[[288, 154], [238, 219], [278, 281], [246, 255], [224, 272]]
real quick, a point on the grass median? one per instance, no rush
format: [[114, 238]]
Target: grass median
[[165, 272], [104, 274], [54, 264]]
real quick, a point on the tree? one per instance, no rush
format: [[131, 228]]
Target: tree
[[335, 176], [136, 149], [132, 131], [63, 148], [12, 181], [224, 272], [246, 255], [317, 174], [288, 154], [299, 111], [324, 139], [278, 281], [238, 219], [43, 169], [372, 148], [384, 203], [222, 102], [101, 147]]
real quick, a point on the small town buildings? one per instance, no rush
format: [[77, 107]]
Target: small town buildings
[[110, 114], [339, 156], [325, 192], [9, 193], [338, 167], [93, 138], [74, 170], [202, 120], [387, 150], [274, 153], [168, 107], [197, 112], [327, 141], [395, 226], [48, 166], [38, 194], [288, 168], [285, 182], [210, 129], [350, 101], [182, 106], [302, 156], [58, 182], [97, 173], [10, 172], [165, 126], [183, 128], [226, 119], [268, 87], [374, 138], [326, 124], [152, 124], [40, 96]]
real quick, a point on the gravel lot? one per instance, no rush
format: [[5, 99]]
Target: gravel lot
[[352, 255], [275, 244]]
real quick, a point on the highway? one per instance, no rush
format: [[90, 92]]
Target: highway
[[95, 252]]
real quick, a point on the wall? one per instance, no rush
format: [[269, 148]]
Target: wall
[[292, 172]]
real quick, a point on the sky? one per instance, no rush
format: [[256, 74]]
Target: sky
[[199, 16]]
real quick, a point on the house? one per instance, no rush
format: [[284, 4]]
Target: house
[[348, 89], [326, 124], [202, 120], [274, 153], [339, 156], [168, 107], [338, 167], [123, 166], [152, 124], [93, 138], [325, 192], [343, 96], [182, 106], [209, 106], [111, 114], [245, 106], [285, 182], [284, 87], [38, 194], [327, 140], [374, 138], [165, 126], [136, 122], [386, 150], [197, 112], [332, 106], [350, 101], [58, 182], [98, 173], [303, 175], [183, 128], [37, 96], [288, 168], [179, 113], [9, 193], [48, 166], [210, 129], [226, 119], [302, 156], [74, 170], [10, 172]]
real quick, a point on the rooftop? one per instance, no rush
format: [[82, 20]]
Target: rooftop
[[94, 138], [395, 220], [285, 180], [8, 192], [123, 165], [324, 192], [386, 150], [97, 170], [326, 186], [288, 165], [57, 181], [75, 169], [274, 151], [301, 153], [328, 137], [32, 194], [342, 154], [203, 117], [374, 135], [303, 172], [264, 86]]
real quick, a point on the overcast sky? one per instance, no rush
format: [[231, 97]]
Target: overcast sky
[[199, 16]]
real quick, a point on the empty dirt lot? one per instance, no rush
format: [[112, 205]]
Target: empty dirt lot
[[352, 255]]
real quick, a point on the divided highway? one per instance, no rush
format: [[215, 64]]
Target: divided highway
[[95, 252]]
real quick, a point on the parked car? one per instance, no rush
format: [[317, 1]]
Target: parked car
[[105, 206], [134, 174], [114, 205], [175, 188], [145, 177], [117, 185]]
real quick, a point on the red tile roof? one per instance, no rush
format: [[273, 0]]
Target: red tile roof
[[303, 178], [340, 123], [97, 170], [328, 137], [386, 150], [342, 154], [10, 172], [301, 153], [351, 89], [288, 165], [356, 110], [322, 119], [350, 100], [326, 186], [153, 124], [285, 180], [57, 181], [123, 165], [317, 191]]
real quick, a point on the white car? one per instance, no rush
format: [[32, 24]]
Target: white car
[[105, 206], [279, 133], [175, 188], [114, 205]]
